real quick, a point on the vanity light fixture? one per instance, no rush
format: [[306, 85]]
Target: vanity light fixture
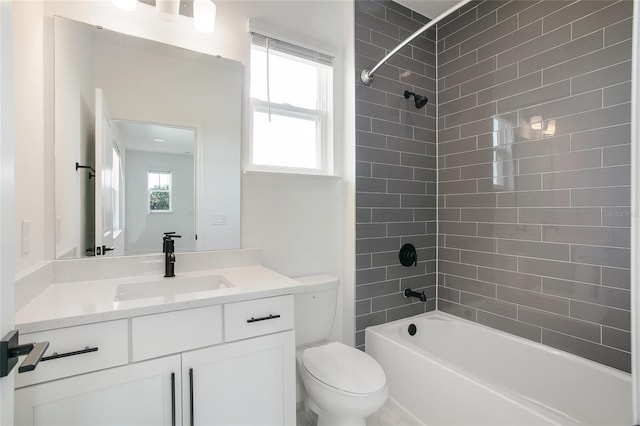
[[168, 9], [204, 15], [204, 11], [126, 5]]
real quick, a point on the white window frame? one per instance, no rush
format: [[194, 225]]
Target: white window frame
[[170, 190], [322, 115]]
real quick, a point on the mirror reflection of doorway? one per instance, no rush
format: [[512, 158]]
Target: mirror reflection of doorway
[[157, 163]]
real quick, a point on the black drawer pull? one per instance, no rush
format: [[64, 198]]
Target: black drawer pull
[[263, 318], [191, 408], [56, 355], [173, 399]]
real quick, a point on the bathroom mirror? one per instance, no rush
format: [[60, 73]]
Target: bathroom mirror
[[147, 141]]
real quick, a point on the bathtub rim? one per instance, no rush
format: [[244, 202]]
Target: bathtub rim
[[554, 415], [439, 315], [550, 414]]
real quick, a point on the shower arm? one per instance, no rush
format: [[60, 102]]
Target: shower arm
[[366, 76]]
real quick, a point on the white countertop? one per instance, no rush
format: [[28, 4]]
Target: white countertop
[[83, 302]]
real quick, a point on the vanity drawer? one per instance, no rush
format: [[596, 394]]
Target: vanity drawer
[[172, 332], [257, 317], [79, 344]]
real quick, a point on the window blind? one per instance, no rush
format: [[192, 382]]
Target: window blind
[[291, 49]]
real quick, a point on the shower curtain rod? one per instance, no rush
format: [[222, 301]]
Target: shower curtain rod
[[367, 75]]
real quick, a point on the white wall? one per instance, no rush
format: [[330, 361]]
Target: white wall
[[319, 210], [144, 230], [30, 141], [349, 175]]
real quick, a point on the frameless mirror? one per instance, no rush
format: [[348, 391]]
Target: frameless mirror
[[147, 141]]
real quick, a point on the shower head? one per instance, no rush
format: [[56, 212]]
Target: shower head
[[420, 100]]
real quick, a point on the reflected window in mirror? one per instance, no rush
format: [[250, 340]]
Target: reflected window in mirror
[[159, 183], [291, 107]]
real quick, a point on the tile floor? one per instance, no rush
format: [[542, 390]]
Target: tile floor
[[390, 414]]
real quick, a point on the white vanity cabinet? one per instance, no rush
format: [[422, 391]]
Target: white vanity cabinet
[[131, 395], [249, 382], [213, 365]]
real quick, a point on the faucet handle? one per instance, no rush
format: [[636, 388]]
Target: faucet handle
[[169, 235]]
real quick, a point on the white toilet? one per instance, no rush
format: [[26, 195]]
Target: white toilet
[[342, 385]]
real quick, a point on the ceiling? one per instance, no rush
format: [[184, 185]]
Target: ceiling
[[429, 8], [136, 136]]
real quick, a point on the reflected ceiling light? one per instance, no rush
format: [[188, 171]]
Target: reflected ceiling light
[[551, 128], [127, 5], [158, 140], [536, 122], [204, 15], [168, 9]]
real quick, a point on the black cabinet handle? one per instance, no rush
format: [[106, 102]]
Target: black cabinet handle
[[191, 421], [270, 317], [173, 399], [56, 355]]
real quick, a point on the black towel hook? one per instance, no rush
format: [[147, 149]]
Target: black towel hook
[[92, 171]]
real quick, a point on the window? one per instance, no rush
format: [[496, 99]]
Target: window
[[291, 107], [159, 184]]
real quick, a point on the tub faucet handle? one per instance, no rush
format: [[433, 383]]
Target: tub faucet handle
[[408, 255]]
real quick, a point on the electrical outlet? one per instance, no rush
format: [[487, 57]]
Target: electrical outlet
[[25, 246]]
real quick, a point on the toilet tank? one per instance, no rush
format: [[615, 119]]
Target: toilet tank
[[315, 308]]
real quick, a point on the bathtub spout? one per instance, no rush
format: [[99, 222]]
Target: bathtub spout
[[410, 293]]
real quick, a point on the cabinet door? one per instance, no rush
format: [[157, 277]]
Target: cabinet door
[[249, 382], [135, 394]]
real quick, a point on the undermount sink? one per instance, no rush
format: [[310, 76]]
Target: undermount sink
[[170, 287]]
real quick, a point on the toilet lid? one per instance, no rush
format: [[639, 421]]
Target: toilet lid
[[344, 367]]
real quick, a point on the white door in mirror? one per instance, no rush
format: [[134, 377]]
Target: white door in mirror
[[108, 239]]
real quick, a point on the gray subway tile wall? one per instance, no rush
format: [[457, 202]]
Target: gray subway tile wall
[[533, 172], [395, 165]]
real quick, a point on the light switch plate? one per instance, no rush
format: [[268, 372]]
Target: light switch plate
[[219, 219]]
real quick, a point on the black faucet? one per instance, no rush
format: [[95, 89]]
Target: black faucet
[[168, 249], [410, 293]]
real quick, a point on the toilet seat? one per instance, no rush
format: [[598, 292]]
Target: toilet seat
[[345, 368]]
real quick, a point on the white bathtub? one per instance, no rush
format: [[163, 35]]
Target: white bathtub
[[455, 372]]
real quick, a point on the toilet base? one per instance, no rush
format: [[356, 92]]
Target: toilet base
[[329, 419]]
